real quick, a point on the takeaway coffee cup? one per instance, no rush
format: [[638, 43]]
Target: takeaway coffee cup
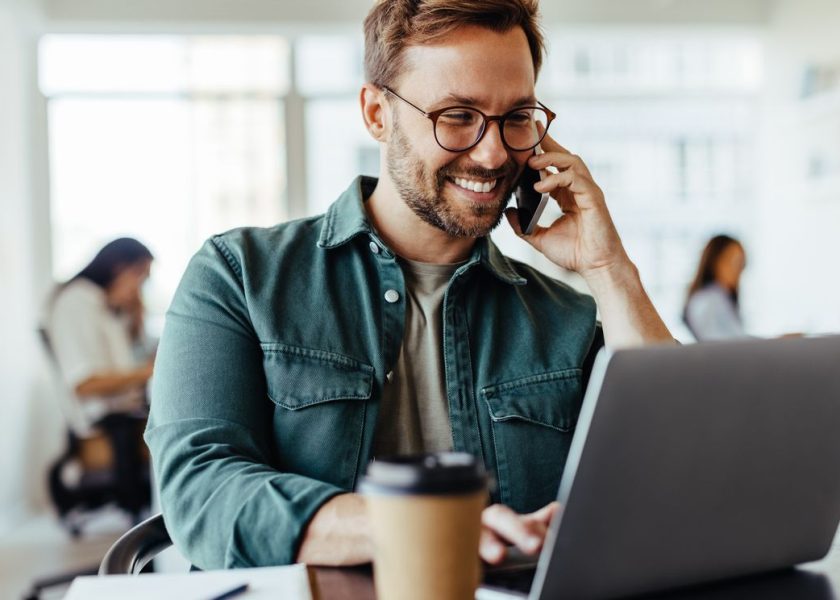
[[425, 514]]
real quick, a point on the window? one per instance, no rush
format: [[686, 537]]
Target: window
[[173, 138], [338, 148], [165, 138], [666, 120]]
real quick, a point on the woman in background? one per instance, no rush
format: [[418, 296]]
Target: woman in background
[[711, 310], [94, 325], [94, 330]]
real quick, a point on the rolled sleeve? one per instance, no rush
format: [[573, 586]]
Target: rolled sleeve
[[209, 430]]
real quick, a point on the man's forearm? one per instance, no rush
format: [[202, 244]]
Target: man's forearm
[[627, 313], [338, 534]]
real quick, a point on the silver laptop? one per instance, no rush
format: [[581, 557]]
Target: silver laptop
[[694, 464]]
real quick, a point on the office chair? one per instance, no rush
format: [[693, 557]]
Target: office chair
[[128, 487], [136, 548], [129, 555], [95, 488]]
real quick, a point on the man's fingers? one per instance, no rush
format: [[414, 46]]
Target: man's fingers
[[527, 536], [582, 190], [566, 199], [559, 161], [546, 513], [491, 548]]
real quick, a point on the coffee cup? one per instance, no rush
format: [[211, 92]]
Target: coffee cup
[[425, 514]]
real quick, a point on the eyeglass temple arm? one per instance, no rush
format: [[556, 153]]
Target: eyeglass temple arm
[[411, 104]]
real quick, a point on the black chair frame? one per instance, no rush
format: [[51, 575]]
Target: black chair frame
[[136, 548]]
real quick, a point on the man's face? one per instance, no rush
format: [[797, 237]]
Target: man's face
[[474, 67]]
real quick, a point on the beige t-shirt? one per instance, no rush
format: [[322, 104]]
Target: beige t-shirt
[[414, 411]]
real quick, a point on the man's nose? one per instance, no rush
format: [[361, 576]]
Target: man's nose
[[490, 152]]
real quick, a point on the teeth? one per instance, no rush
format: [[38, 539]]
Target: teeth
[[475, 186]]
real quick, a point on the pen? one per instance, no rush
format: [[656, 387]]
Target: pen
[[231, 593]]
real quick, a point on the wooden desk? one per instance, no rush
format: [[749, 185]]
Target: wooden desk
[[814, 581]]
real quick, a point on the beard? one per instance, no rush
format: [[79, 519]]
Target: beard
[[423, 191]]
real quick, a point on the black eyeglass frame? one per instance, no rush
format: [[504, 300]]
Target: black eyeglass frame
[[435, 114]]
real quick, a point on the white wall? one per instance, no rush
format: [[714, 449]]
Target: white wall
[[795, 264], [29, 431]]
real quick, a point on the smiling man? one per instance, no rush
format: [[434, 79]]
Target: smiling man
[[294, 355]]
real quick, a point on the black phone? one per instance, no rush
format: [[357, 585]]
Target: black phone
[[530, 203]]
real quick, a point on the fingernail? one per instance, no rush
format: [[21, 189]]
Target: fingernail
[[532, 543]]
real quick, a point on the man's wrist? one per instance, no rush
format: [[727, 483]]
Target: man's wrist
[[611, 280], [338, 534], [627, 313]]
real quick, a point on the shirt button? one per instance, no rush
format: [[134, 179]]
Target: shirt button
[[392, 296], [374, 247]]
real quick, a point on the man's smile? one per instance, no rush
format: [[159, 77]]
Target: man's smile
[[475, 185]]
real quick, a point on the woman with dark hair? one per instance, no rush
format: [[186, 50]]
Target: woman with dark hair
[[711, 310], [94, 324]]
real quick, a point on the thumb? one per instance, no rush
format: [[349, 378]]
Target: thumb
[[546, 513], [513, 218]]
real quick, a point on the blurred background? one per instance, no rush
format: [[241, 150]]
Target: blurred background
[[170, 120]]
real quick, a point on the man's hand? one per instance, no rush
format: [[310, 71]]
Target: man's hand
[[502, 527], [339, 534], [584, 239]]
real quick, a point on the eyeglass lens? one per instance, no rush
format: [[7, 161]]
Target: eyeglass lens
[[459, 128]]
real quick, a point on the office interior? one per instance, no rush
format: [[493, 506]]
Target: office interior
[[170, 120]]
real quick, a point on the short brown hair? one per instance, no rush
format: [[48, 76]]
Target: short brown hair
[[391, 25]]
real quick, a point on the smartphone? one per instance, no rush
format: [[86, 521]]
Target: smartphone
[[530, 203]]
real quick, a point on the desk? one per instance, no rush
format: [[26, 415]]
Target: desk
[[814, 581]]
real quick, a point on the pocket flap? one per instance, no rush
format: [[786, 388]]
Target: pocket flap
[[550, 399], [298, 377]]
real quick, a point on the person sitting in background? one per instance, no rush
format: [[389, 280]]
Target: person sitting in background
[[94, 323], [711, 309], [93, 327]]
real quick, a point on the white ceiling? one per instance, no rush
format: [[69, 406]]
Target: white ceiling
[[735, 12]]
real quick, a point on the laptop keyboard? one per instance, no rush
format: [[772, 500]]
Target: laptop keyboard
[[517, 581]]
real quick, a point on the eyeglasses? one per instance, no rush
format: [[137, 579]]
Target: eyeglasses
[[459, 128]]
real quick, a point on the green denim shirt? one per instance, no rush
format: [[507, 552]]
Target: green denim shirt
[[273, 358]]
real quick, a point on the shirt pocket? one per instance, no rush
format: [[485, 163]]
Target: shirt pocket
[[533, 420], [320, 404]]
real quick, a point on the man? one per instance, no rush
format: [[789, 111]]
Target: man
[[294, 355]]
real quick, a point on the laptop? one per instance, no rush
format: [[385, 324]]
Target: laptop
[[693, 464]]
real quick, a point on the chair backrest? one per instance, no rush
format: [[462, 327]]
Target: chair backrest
[[136, 548]]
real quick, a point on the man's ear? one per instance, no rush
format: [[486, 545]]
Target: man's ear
[[374, 111]]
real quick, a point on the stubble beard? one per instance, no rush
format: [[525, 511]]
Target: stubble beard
[[423, 191]]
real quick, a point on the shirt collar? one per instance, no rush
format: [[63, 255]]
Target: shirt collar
[[346, 218]]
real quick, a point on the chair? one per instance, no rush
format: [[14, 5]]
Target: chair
[[136, 548], [129, 489], [129, 555], [111, 473], [99, 486]]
